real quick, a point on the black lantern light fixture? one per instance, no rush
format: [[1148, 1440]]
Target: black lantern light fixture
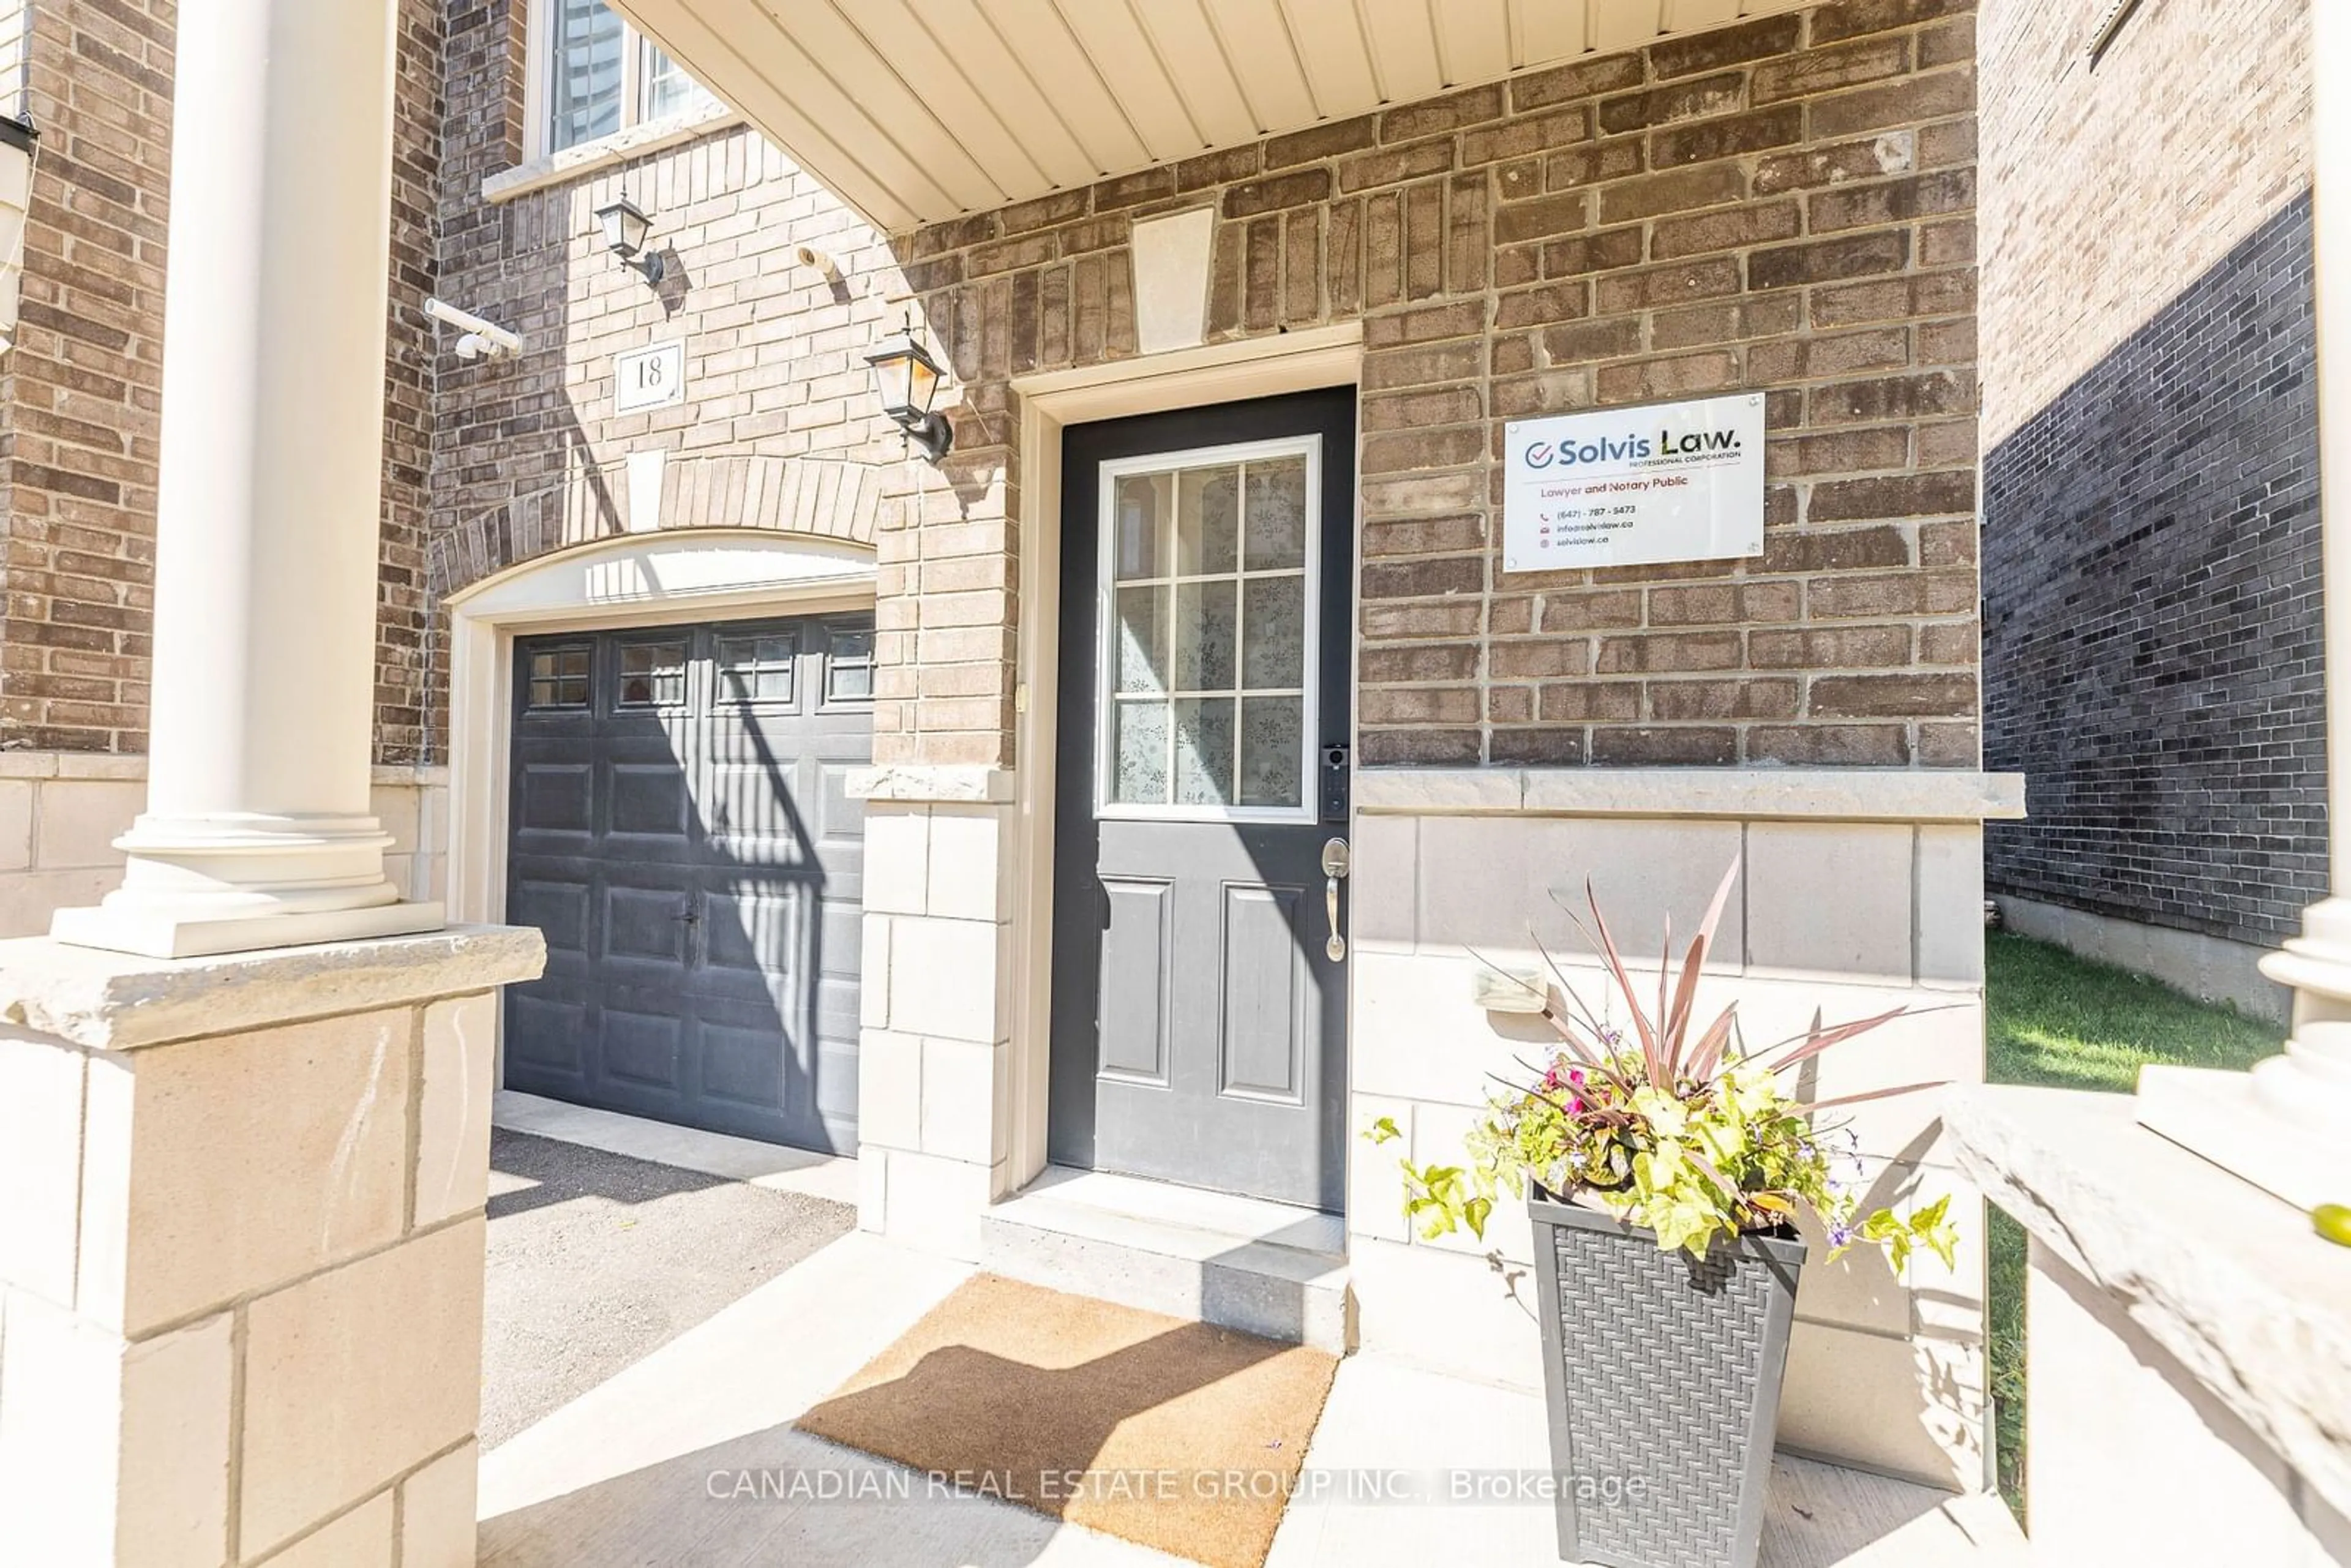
[[909, 380], [626, 227]]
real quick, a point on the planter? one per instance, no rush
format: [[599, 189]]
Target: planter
[[1663, 1379]]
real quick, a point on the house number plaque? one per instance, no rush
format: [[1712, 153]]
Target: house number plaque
[[650, 378]]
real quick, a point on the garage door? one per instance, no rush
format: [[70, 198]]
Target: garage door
[[681, 834]]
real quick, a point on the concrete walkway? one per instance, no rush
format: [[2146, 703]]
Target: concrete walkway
[[688, 1456], [595, 1258]]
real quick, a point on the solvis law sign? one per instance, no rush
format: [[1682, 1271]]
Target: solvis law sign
[[1634, 487]]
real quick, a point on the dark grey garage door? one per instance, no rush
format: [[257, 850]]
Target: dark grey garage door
[[681, 834]]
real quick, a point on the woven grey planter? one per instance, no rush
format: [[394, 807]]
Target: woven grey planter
[[1662, 1378]]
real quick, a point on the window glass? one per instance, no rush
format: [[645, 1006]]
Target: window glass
[[668, 89], [586, 77], [848, 668], [602, 77], [1206, 691], [652, 674], [558, 677], [756, 668]]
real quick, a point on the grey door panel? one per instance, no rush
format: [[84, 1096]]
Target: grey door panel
[[681, 834], [1198, 1022]]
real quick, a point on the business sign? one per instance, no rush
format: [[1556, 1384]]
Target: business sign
[[650, 378], [1681, 481]]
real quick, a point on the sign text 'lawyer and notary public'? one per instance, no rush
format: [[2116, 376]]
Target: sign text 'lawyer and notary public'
[[1635, 487]]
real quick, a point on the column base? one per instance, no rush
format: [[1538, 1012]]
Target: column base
[[2220, 1116], [2284, 1127], [153, 933]]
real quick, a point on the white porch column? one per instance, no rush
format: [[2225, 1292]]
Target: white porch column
[[258, 831], [2317, 964]]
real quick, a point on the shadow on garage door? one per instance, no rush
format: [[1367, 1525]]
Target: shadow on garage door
[[681, 831]]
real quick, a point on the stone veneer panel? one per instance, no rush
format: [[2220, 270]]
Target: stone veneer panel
[[250, 1347], [935, 1063], [61, 812]]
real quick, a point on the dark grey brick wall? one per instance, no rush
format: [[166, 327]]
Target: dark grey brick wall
[[2152, 659]]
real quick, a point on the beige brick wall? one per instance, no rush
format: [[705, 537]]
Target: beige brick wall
[[2097, 211], [1787, 205], [778, 427]]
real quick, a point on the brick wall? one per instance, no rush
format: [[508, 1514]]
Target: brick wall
[[2151, 545], [80, 392], [1786, 205], [404, 675], [2107, 189]]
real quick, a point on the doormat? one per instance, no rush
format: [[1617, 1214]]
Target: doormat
[[1172, 1434]]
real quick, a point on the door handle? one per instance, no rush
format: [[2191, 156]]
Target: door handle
[[1335, 865]]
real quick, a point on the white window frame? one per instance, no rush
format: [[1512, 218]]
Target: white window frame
[[1106, 585], [538, 76]]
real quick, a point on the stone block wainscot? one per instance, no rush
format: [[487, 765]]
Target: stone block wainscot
[[1860, 894], [61, 812]]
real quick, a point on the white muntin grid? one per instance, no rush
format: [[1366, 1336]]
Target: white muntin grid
[[1167, 580]]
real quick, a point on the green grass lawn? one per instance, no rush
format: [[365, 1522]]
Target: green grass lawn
[[2056, 1020]]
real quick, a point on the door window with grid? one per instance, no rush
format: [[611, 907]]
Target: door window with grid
[[1206, 700]]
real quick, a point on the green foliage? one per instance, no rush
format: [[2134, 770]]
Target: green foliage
[[1668, 1126]]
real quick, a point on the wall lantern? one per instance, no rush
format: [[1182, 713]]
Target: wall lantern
[[625, 227], [909, 381]]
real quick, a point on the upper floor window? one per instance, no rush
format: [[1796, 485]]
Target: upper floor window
[[598, 76]]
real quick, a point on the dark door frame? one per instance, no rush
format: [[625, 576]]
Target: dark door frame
[[1068, 806]]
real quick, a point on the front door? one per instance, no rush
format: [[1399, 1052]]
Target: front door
[[1199, 1006]]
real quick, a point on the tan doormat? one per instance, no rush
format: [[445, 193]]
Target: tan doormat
[[1181, 1436]]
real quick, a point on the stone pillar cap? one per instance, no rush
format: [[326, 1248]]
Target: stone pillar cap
[[120, 1001]]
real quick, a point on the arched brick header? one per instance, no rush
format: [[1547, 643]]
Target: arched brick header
[[827, 497]]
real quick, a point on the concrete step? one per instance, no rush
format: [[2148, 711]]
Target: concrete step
[[1238, 1262]]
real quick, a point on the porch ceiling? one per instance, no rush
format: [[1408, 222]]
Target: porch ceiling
[[918, 111]]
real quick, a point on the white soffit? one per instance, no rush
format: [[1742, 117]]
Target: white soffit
[[919, 111]]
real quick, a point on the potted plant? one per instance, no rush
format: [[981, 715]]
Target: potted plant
[[1664, 1165]]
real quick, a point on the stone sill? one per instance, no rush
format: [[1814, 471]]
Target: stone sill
[[940, 784], [1825, 794], [117, 766], [119, 1001], [2230, 1280], [606, 153]]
